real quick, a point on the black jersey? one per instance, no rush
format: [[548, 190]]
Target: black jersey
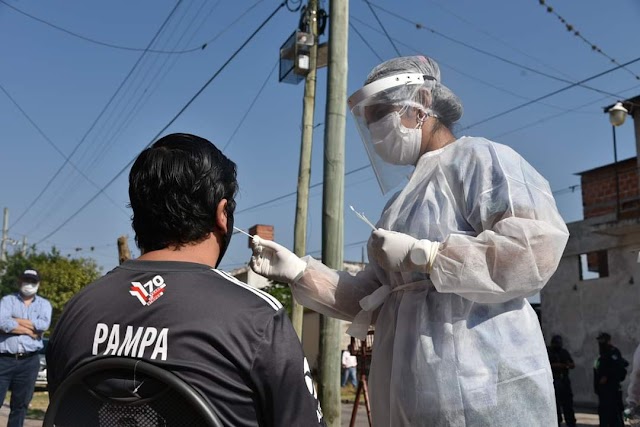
[[233, 343]]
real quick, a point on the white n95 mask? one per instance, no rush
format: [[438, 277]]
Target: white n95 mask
[[395, 143], [28, 289]]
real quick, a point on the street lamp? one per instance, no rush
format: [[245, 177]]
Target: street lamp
[[617, 116]]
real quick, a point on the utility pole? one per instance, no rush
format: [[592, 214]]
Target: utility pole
[[5, 237], [123, 249], [304, 172], [23, 249], [333, 201]]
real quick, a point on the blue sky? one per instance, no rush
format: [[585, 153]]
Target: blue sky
[[495, 55]]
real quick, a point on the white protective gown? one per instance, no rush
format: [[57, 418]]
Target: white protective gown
[[462, 347], [633, 392]]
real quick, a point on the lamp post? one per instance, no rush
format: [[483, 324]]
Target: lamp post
[[617, 116]]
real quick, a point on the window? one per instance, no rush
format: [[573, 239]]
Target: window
[[594, 265]]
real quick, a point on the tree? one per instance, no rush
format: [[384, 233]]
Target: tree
[[282, 292], [61, 277]]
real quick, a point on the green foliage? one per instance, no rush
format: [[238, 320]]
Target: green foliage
[[61, 277], [282, 292]]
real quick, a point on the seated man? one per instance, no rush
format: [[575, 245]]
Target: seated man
[[233, 343]]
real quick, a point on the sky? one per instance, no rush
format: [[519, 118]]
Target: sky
[[80, 98]]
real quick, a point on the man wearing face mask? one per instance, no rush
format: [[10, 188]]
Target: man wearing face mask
[[234, 344], [24, 317], [456, 251]]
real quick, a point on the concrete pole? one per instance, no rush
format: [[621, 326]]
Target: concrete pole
[[23, 249], [333, 200], [304, 173], [5, 237]]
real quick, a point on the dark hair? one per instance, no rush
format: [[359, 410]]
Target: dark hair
[[175, 187]]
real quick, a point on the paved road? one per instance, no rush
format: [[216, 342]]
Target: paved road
[[585, 418]]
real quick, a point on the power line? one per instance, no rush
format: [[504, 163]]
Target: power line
[[182, 110], [577, 33], [568, 190], [555, 115], [201, 46], [555, 92], [383, 28], [246, 113], [148, 93], [54, 145], [101, 113], [284, 196], [469, 76], [420, 26], [365, 41], [498, 39], [613, 95], [98, 150], [125, 114], [536, 100]]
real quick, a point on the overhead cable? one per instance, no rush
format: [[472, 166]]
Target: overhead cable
[[201, 46], [473, 25], [255, 99], [383, 28], [420, 26], [578, 34], [55, 146], [96, 147], [104, 109], [284, 196], [124, 111], [555, 92], [556, 115], [182, 110], [355, 30]]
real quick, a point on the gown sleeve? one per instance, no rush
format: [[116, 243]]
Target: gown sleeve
[[633, 393], [520, 233], [331, 292]]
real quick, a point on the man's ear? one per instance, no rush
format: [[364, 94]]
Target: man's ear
[[221, 216]]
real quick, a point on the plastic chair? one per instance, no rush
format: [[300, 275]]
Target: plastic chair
[[126, 392]]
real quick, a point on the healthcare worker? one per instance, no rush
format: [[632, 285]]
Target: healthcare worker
[[456, 251]]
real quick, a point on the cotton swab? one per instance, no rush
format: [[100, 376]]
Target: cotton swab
[[363, 218], [242, 231]]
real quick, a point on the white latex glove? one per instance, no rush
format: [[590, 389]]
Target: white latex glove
[[275, 262], [400, 252]]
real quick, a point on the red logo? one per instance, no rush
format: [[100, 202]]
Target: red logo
[[148, 293]]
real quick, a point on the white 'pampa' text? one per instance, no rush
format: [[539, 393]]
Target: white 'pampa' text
[[135, 342]]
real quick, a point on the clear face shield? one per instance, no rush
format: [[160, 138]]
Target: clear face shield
[[389, 113]]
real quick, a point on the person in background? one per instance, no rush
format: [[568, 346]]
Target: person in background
[[24, 317], [454, 255], [349, 366], [608, 372], [561, 362]]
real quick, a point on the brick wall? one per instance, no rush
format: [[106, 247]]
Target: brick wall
[[599, 190]]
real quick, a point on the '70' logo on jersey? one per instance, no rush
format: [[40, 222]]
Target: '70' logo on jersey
[[150, 291]]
